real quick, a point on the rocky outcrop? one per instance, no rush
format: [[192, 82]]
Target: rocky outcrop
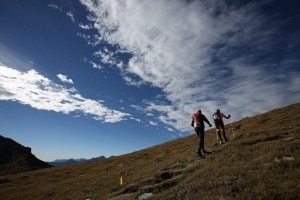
[[15, 158]]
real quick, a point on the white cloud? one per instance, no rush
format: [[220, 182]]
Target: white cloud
[[31, 88], [132, 82], [91, 40], [71, 16], [55, 7], [152, 123], [170, 129], [85, 27], [105, 56], [202, 54], [64, 78], [95, 65], [136, 119]]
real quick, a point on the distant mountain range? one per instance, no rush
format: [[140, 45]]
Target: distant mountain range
[[15, 158], [61, 162]]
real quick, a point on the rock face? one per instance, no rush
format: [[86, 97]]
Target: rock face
[[15, 158]]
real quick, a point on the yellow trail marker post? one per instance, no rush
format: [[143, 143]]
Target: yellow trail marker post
[[121, 180]]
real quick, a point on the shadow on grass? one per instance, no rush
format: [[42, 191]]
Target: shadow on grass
[[268, 139]]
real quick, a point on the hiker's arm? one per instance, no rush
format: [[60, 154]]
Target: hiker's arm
[[227, 117]]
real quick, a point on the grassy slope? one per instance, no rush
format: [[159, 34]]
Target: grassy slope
[[260, 162]]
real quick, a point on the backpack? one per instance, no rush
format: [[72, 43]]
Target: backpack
[[216, 116], [195, 122]]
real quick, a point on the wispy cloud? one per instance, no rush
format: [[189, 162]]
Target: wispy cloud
[[55, 7], [106, 56], [64, 78], [86, 26], [91, 40], [152, 123], [33, 89], [95, 65], [202, 54], [71, 16]]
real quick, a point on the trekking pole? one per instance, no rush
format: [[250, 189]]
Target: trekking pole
[[233, 134]]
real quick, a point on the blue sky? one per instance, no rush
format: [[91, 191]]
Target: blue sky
[[80, 79]]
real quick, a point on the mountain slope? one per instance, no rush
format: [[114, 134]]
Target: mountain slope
[[261, 161], [15, 158], [61, 162]]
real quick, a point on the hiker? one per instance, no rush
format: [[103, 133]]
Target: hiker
[[220, 124], [198, 123]]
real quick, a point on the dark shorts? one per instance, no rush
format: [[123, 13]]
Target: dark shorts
[[199, 130], [219, 124]]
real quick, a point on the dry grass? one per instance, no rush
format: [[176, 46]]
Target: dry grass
[[260, 162]]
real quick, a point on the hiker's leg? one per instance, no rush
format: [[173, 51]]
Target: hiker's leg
[[196, 131], [202, 139], [223, 130], [199, 147], [201, 142], [219, 138]]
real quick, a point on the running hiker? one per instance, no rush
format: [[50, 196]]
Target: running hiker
[[220, 124], [198, 123]]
